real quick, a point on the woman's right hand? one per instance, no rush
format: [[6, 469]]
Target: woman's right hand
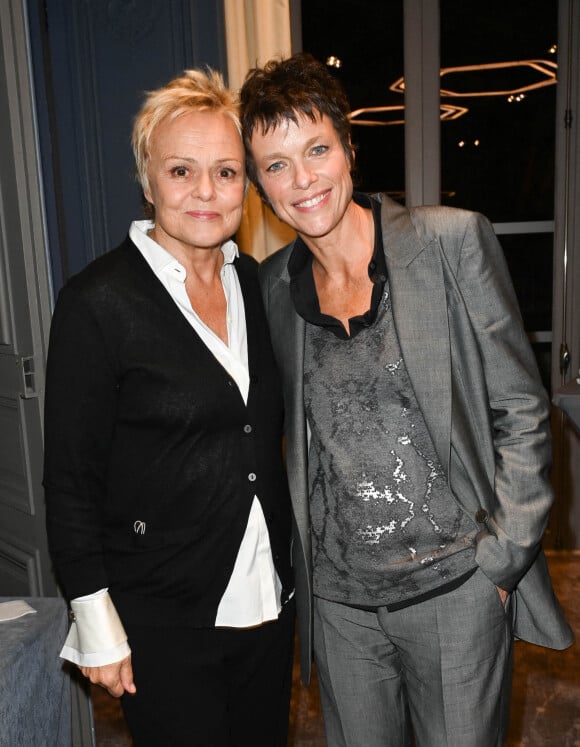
[[116, 678]]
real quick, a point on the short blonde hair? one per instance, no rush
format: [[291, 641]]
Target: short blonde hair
[[194, 91]]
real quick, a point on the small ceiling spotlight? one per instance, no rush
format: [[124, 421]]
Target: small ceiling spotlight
[[333, 61], [519, 97], [553, 49]]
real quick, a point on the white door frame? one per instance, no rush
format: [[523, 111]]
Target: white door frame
[[565, 523]]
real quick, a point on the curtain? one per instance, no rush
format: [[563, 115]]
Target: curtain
[[256, 31]]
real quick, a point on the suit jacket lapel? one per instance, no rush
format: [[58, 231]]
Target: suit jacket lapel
[[420, 317], [288, 336]]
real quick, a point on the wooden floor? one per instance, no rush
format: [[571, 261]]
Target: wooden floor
[[545, 702]]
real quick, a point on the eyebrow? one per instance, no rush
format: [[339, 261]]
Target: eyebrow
[[308, 144], [188, 159]]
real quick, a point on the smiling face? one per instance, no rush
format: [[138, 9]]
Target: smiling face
[[196, 181], [305, 174]]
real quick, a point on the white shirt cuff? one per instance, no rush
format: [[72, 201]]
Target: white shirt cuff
[[96, 636]]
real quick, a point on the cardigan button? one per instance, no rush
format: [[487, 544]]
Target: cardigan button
[[247, 428], [252, 477]]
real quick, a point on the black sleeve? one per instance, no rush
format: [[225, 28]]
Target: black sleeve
[[80, 412]]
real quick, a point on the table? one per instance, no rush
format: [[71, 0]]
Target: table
[[567, 398], [35, 696]]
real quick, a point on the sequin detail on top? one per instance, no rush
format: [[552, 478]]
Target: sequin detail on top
[[385, 526]]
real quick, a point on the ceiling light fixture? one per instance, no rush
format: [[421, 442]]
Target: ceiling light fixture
[[448, 111], [545, 68]]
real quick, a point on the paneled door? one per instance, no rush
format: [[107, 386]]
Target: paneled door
[[24, 318]]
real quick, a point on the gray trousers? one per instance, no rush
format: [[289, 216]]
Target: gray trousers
[[438, 672]]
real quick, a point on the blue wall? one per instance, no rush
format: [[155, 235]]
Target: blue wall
[[93, 61]]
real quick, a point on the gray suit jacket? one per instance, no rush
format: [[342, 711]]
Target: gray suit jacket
[[477, 384]]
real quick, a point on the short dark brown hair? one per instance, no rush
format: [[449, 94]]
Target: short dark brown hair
[[283, 90]]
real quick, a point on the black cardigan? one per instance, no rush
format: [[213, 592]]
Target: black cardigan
[[152, 459]]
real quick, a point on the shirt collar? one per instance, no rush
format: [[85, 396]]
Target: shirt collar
[[303, 289], [159, 259]]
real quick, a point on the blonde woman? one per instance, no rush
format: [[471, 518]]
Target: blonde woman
[[167, 502]]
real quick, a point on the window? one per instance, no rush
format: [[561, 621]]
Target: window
[[362, 41]]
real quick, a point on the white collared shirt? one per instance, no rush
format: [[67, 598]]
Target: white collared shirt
[[253, 594]]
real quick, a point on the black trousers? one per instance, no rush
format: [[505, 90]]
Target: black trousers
[[211, 687]]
